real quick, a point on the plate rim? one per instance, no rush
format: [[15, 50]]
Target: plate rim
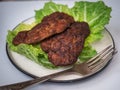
[[56, 81]]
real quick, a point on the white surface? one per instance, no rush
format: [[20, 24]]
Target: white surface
[[12, 13]]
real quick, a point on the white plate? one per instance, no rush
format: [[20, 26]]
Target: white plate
[[31, 68]]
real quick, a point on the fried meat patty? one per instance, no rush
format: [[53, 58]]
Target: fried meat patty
[[52, 24], [64, 48]]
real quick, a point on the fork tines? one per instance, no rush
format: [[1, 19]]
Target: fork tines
[[101, 58]]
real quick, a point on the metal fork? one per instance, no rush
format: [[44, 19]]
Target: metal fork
[[87, 68]]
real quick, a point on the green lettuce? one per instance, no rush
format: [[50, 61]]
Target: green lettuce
[[33, 52], [87, 53], [49, 8], [12, 34], [96, 14]]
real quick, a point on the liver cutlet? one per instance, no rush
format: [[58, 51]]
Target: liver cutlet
[[59, 36], [52, 24], [64, 48]]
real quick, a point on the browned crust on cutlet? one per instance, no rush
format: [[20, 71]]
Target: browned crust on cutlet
[[64, 48], [52, 24]]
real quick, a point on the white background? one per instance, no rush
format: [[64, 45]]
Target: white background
[[12, 13]]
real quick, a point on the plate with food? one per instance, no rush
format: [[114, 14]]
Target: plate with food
[[58, 37]]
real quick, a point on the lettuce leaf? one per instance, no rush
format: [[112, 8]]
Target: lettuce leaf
[[96, 14], [87, 53], [49, 8], [12, 34], [33, 52]]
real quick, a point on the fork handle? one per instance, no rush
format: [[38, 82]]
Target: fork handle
[[22, 85]]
